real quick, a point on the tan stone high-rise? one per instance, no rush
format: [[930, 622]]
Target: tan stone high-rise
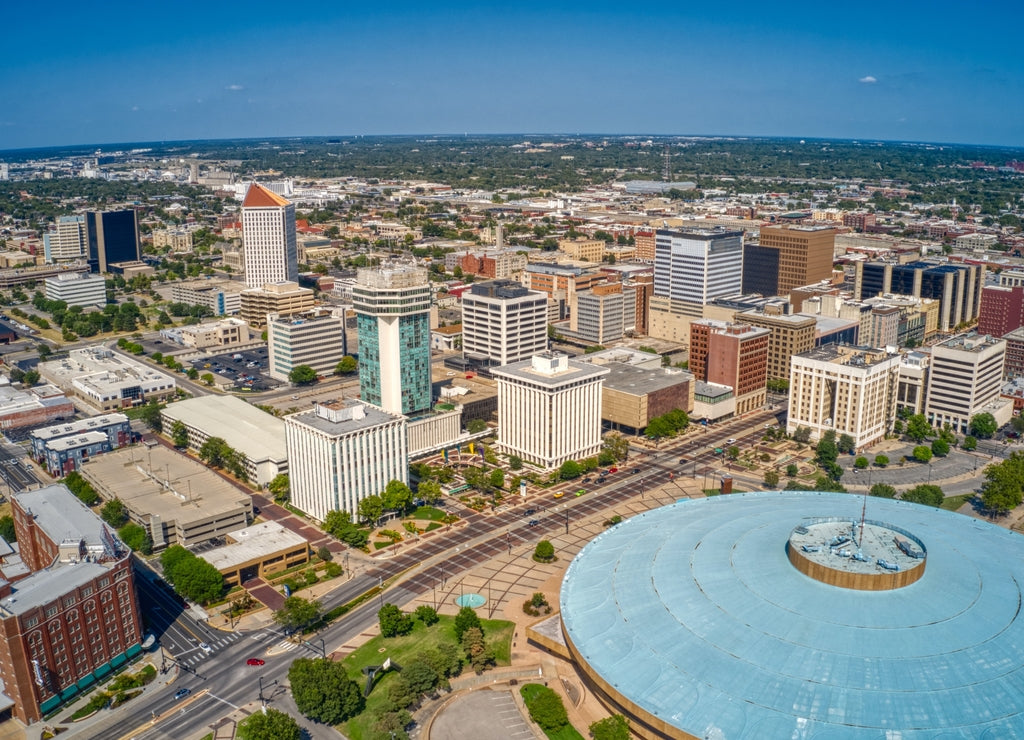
[[805, 253]]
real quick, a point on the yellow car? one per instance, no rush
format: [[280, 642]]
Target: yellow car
[[560, 494]]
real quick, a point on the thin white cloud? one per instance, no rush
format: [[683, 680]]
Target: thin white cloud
[[869, 80], [234, 87]]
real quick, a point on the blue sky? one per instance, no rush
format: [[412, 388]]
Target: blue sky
[[85, 73]]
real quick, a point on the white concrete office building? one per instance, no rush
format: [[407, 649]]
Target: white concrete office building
[[315, 338], [77, 289], [964, 379], [342, 452], [268, 238], [849, 389], [503, 322], [549, 409]]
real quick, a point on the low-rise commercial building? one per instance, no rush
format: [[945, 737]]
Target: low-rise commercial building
[[176, 499], [256, 552], [254, 434], [107, 380]]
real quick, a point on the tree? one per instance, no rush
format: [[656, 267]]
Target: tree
[[771, 478], [615, 727], [466, 619], [940, 447], [323, 691], [860, 463], [983, 425], [179, 434], [475, 426], [297, 613], [970, 443], [918, 428], [393, 621], [280, 488], [269, 725], [924, 494], [397, 496], [922, 453], [846, 445], [426, 614], [114, 513], [544, 552], [570, 469], [302, 375], [346, 365], [881, 460], [7, 528], [371, 509], [883, 490]]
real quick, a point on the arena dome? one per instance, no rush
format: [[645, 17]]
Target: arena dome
[[695, 621]]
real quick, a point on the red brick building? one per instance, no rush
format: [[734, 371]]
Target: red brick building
[[1001, 310], [75, 617]]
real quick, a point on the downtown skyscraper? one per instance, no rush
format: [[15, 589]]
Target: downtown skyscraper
[[268, 238]]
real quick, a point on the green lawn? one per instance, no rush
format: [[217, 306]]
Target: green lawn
[[401, 649]]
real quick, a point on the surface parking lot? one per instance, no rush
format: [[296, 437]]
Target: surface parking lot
[[246, 368]]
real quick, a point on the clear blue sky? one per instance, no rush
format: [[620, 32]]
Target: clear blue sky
[[93, 73]]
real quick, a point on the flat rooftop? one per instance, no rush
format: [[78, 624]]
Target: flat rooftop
[[255, 433]]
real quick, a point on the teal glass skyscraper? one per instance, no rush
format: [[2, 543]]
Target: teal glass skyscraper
[[392, 305]]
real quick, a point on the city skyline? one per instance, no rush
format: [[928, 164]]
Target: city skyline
[[908, 72]]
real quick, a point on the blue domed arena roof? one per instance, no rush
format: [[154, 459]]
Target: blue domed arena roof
[[694, 614]]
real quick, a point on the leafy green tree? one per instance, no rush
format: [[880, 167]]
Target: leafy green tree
[[114, 513], [280, 488], [615, 727], [940, 447], [302, 375], [371, 509], [881, 460], [179, 434], [346, 365], [426, 614], [983, 425], [397, 496], [137, 538], [323, 691], [466, 619], [846, 445], [860, 463], [771, 478], [297, 613], [883, 490], [393, 621], [918, 428], [269, 725], [922, 453], [924, 494], [7, 528], [544, 552], [570, 469]]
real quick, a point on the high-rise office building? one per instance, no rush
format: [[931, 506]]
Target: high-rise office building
[[549, 409], [805, 253], [697, 265], [392, 305], [503, 322], [67, 240], [268, 238], [111, 236], [341, 452]]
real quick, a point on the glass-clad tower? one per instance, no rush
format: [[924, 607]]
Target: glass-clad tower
[[392, 305]]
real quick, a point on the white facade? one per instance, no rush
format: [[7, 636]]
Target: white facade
[[965, 378], [504, 322], [268, 238], [699, 265], [549, 409], [316, 339], [342, 452], [849, 389], [77, 289]]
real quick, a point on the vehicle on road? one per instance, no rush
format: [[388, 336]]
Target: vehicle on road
[[559, 494], [205, 648], [181, 693], [255, 661]]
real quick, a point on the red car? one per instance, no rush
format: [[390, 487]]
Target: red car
[[255, 661]]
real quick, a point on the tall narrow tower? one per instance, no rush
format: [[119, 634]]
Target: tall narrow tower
[[268, 238], [392, 305]]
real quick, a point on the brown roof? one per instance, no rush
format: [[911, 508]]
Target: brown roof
[[259, 197]]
